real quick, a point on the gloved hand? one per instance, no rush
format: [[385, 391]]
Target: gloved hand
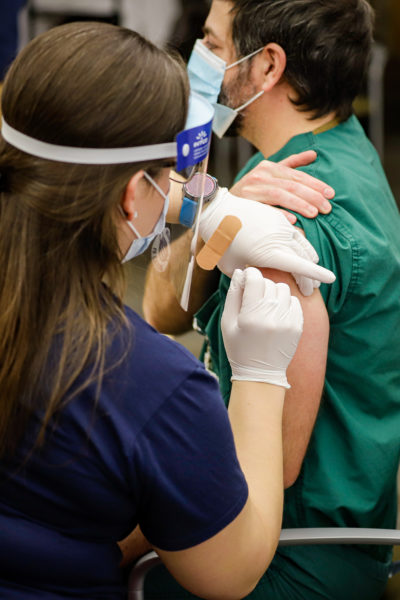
[[261, 327], [266, 239]]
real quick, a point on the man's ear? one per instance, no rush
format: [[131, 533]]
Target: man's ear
[[131, 190], [273, 59]]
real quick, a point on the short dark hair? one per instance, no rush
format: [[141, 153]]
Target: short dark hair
[[327, 43]]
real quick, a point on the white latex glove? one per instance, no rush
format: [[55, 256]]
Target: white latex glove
[[266, 239], [261, 327]]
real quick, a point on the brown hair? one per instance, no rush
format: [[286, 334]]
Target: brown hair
[[327, 45], [88, 85]]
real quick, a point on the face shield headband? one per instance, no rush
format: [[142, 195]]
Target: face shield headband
[[86, 156], [179, 149], [190, 149]]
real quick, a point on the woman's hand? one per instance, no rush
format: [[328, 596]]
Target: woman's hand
[[261, 326], [281, 184], [266, 239]]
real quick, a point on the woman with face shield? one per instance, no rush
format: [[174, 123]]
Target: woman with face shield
[[106, 424]]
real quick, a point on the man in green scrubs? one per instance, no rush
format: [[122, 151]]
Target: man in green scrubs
[[342, 413]]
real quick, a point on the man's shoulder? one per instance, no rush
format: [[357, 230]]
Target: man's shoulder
[[251, 163]]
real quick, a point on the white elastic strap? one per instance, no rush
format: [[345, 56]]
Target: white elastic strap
[[86, 156], [155, 184], [249, 101], [244, 58], [131, 225]]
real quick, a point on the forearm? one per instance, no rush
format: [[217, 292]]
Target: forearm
[[236, 558], [255, 412], [161, 306]]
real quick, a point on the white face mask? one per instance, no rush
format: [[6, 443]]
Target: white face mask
[[224, 116], [141, 243], [206, 73]]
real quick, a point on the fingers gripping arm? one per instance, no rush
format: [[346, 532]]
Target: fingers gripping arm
[[266, 239]]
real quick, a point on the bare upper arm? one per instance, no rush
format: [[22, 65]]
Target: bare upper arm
[[228, 565], [306, 375]]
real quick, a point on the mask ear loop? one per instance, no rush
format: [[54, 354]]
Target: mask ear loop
[[155, 184], [129, 223], [244, 58], [253, 99]]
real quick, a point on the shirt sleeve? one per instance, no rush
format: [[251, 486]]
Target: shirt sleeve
[[191, 484], [339, 251]]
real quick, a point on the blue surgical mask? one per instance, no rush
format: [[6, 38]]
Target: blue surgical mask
[[206, 73], [141, 243]]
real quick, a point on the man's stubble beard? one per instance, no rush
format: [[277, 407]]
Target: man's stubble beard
[[236, 93]]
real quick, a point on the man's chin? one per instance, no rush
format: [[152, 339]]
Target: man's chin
[[236, 129]]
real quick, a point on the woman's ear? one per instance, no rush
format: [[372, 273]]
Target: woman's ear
[[273, 59], [131, 191]]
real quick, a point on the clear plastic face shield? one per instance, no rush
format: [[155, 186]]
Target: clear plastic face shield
[[190, 151], [193, 146]]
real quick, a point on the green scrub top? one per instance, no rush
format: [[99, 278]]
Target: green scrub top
[[348, 477]]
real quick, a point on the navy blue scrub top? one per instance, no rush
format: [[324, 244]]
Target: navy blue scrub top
[[9, 10], [158, 451]]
